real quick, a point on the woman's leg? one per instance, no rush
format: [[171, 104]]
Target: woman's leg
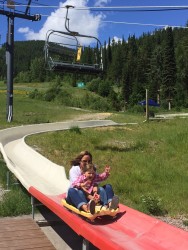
[[113, 200], [109, 192], [75, 198], [103, 196], [82, 195]]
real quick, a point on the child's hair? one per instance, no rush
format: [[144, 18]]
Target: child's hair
[[89, 167]]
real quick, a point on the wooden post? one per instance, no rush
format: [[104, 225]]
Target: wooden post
[[147, 106], [169, 100], [169, 105]]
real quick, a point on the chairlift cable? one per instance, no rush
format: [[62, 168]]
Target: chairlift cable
[[112, 8], [134, 8], [146, 24], [140, 10]]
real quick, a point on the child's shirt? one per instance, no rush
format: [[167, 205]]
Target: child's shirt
[[89, 187]]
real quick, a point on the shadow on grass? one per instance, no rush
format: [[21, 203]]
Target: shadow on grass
[[120, 148]]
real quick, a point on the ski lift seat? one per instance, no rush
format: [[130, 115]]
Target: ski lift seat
[[67, 55], [62, 51], [73, 67]]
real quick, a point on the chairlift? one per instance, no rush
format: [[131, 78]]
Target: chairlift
[[63, 52]]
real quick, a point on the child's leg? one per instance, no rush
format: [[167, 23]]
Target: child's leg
[[90, 197]]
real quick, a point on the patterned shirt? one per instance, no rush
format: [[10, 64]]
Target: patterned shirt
[[89, 187]]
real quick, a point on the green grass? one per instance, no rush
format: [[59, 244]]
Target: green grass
[[148, 159], [16, 201]]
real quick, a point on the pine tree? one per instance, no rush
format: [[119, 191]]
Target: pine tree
[[155, 76], [169, 65]]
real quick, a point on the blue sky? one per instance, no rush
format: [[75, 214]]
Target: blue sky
[[102, 23]]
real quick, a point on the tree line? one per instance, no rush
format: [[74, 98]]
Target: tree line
[[155, 61]]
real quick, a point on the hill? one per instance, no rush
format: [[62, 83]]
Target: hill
[[157, 62]]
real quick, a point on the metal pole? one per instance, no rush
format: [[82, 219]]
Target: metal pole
[[85, 244], [8, 180], [10, 67], [33, 206]]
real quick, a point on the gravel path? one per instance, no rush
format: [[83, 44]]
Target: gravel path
[[177, 222]]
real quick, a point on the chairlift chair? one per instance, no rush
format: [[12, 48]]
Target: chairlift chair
[[63, 52]]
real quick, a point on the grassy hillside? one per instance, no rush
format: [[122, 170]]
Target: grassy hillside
[[148, 160], [29, 111]]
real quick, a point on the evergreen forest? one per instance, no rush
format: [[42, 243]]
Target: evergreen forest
[[155, 61]]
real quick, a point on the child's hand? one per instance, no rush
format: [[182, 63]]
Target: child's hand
[[96, 197], [86, 183], [107, 169]]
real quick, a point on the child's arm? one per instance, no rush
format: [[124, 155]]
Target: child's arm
[[103, 176], [84, 186], [81, 183], [94, 195], [89, 196]]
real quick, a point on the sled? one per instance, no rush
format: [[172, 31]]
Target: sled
[[99, 211]]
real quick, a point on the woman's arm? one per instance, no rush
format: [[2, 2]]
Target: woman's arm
[[78, 182], [74, 173]]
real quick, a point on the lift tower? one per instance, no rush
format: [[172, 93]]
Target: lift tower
[[10, 11]]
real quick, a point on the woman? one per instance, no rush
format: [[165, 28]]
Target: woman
[[77, 198]]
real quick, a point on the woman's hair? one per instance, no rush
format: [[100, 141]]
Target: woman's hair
[[77, 160]]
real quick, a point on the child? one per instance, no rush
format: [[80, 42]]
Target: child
[[88, 181]]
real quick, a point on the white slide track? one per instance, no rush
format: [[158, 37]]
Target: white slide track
[[30, 167], [47, 182]]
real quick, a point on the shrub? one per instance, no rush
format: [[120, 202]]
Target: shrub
[[153, 204], [75, 129], [185, 223], [15, 202], [64, 98], [35, 94]]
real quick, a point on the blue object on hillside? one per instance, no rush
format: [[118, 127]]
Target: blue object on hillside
[[150, 103], [80, 84]]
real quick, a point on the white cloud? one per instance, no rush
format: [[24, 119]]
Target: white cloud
[[100, 3], [23, 30], [82, 21], [117, 39]]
